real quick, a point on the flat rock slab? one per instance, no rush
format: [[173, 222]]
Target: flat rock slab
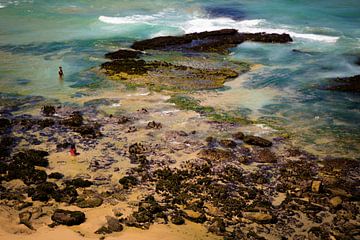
[[68, 218]]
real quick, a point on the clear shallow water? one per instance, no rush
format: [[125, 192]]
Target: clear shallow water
[[38, 36]]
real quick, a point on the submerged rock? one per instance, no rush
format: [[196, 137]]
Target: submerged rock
[[344, 84], [123, 54], [68, 218]]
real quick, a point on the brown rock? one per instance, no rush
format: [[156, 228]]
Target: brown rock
[[216, 154], [316, 186], [335, 201], [257, 141], [258, 217]]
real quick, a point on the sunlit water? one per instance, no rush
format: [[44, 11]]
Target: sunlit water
[[38, 36]]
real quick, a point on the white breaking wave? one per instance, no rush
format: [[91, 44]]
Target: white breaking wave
[[127, 20], [2, 6], [249, 26], [196, 23]]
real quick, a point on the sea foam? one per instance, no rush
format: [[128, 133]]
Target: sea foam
[[198, 23]]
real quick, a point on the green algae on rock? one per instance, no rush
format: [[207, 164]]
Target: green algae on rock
[[185, 102]]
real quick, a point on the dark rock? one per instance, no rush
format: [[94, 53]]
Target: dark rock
[[129, 66], [89, 202], [128, 181], [103, 230], [177, 219], [265, 156], [3, 168], [123, 120], [267, 37], [48, 110], [68, 218], [75, 120], [91, 131], [56, 175], [67, 195], [123, 54], [154, 124], [32, 157], [43, 192], [4, 124], [227, 143], [257, 141], [79, 183], [46, 122], [136, 148], [238, 136], [345, 84], [22, 168], [213, 41]]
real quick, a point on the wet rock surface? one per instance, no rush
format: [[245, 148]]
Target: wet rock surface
[[214, 41], [344, 84]]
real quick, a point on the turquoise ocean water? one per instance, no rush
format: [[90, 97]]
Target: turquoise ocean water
[[37, 36]]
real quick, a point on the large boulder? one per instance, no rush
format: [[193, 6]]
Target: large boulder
[[212, 41], [68, 218]]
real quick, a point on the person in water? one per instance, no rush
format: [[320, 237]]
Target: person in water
[[73, 150], [61, 73]]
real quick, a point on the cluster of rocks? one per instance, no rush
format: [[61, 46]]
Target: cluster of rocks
[[239, 186], [127, 66]]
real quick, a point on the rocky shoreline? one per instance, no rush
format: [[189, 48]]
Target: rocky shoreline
[[236, 185], [189, 167]]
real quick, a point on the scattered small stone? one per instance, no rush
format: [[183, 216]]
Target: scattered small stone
[[316, 186], [132, 129], [154, 124], [335, 201]]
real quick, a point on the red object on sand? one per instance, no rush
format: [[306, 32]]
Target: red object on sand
[[72, 151]]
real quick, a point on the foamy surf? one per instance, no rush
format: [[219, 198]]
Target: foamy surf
[[143, 19], [2, 6], [249, 26], [196, 23]]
